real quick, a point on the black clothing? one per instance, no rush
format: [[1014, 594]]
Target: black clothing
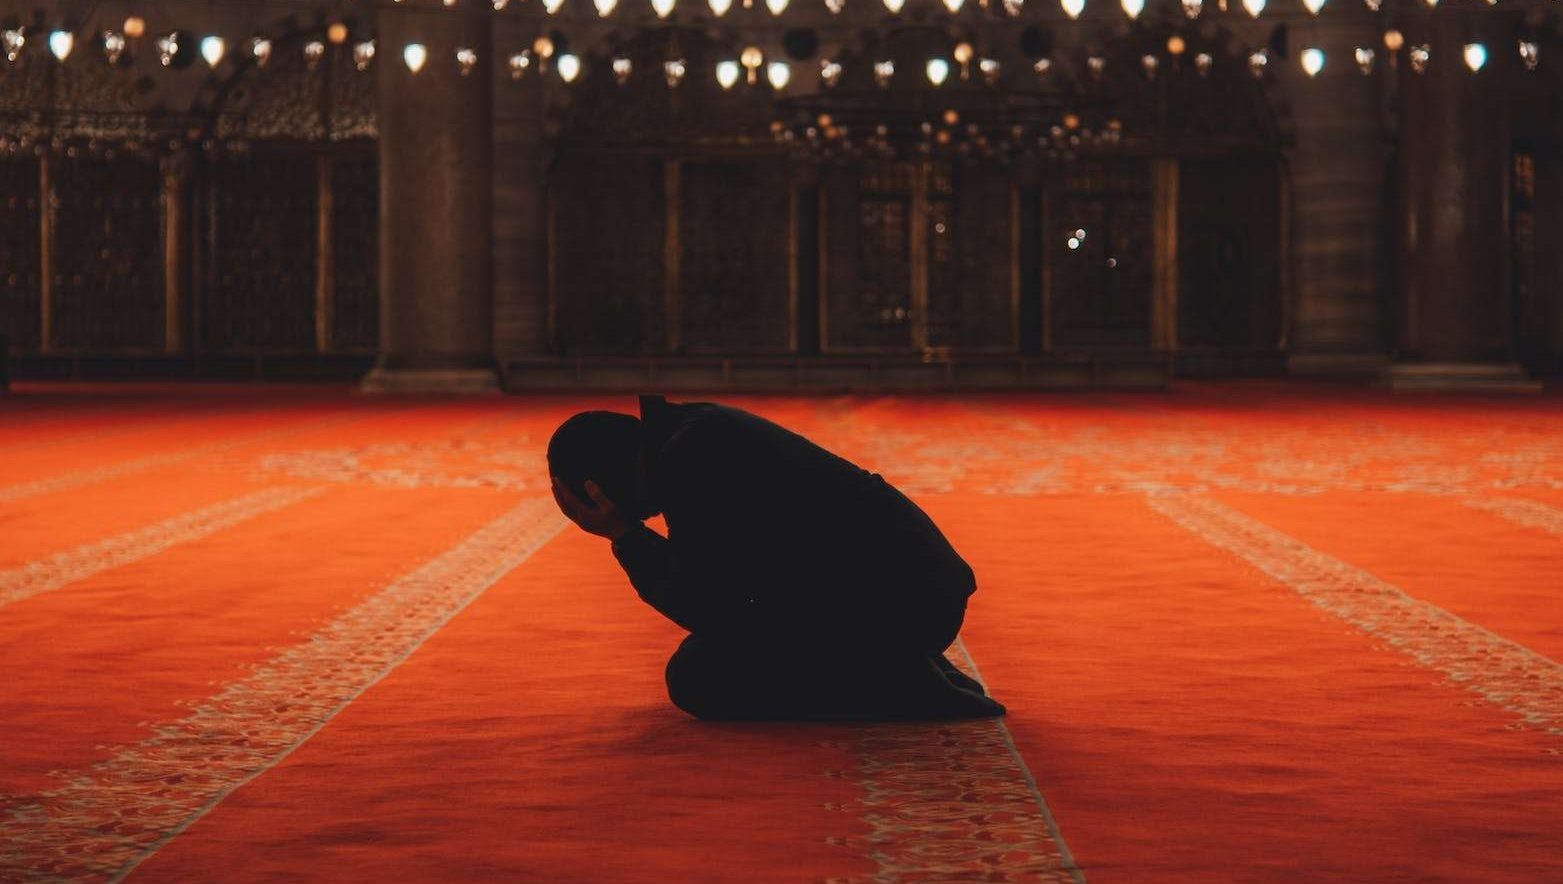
[[813, 588]]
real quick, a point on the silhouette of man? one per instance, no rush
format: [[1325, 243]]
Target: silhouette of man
[[811, 588]]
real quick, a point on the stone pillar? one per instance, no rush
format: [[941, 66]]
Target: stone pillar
[[436, 205], [1335, 200], [521, 157], [1454, 323]]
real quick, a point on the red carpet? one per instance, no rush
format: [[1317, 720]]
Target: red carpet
[[1246, 633]]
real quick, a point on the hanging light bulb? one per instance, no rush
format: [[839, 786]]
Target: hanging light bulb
[[1192, 8], [1176, 45], [1312, 61], [623, 67], [663, 8], [1042, 66], [134, 26], [212, 49], [1431, 3], [1313, 6], [894, 5], [1530, 54], [1475, 56], [777, 7], [1257, 62], [543, 47], [13, 40], [605, 7], [963, 53], [829, 72], [61, 43], [552, 6], [1373, 5], [1132, 8], [167, 48], [727, 73], [314, 51], [1072, 8], [990, 70], [113, 46], [499, 5], [719, 7], [673, 71], [260, 47], [569, 67], [1203, 62], [467, 59], [938, 70], [1013, 7], [835, 6], [1393, 40], [884, 72], [337, 33], [1364, 60], [779, 73], [954, 5], [1096, 64], [1254, 7], [416, 55], [751, 58], [363, 54], [519, 63], [1420, 55]]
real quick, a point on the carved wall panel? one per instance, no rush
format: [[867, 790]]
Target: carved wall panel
[[609, 229], [734, 232], [866, 246], [1100, 289], [978, 311], [1229, 262], [261, 254], [20, 279], [355, 223], [107, 250]]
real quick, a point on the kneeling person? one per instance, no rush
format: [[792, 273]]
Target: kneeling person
[[812, 589]]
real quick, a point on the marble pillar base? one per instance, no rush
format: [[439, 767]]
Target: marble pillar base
[[1345, 366], [446, 381], [1471, 377]]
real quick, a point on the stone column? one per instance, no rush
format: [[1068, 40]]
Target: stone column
[[521, 157], [1336, 172], [1453, 328], [436, 205]]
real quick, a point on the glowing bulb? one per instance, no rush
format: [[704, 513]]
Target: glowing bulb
[[1312, 61], [894, 5], [61, 43], [1313, 6], [552, 6], [212, 49], [1203, 62], [835, 6], [953, 5], [674, 71], [1072, 8], [1192, 8], [1176, 45], [829, 72], [363, 53], [622, 69], [569, 67], [719, 7], [938, 70], [416, 55], [605, 7], [543, 47], [314, 50], [337, 33], [260, 47], [1074, 243], [1475, 56], [726, 73], [777, 7], [1133, 8], [1420, 55], [1364, 59], [1254, 7], [1530, 54], [884, 71], [1257, 62], [519, 62], [663, 8], [779, 73], [135, 26], [1393, 40], [467, 59], [167, 48], [113, 46]]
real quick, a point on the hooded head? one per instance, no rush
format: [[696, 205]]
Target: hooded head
[[605, 447]]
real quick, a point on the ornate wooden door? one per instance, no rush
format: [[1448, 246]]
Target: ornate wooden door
[[1098, 245], [20, 254], [1229, 260]]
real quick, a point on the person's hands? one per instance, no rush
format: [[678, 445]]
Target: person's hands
[[601, 517]]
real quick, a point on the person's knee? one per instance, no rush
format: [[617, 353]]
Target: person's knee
[[689, 679]]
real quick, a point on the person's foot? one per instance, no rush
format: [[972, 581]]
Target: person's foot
[[959, 678]]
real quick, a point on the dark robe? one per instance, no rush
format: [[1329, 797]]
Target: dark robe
[[811, 587]]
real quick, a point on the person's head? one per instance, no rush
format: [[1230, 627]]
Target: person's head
[[605, 447]]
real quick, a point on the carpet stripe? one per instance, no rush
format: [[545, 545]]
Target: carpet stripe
[[1504, 673], [79, 478], [105, 820], [952, 801], [45, 575], [1530, 513]]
